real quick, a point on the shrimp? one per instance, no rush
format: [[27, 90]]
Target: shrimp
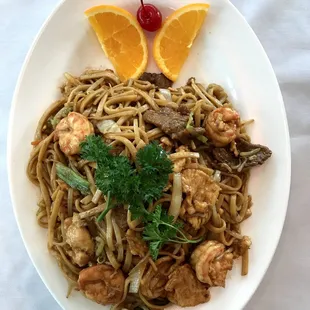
[[102, 284], [201, 192], [222, 125], [71, 131], [211, 263]]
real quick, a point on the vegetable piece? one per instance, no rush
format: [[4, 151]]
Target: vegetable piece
[[154, 168], [114, 174], [166, 93], [94, 149], [62, 113], [99, 246], [155, 246], [72, 179], [119, 180], [108, 125], [35, 142], [135, 282], [136, 273], [108, 206], [127, 185], [176, 199], [160, 229], [202, 139], [217, 176]]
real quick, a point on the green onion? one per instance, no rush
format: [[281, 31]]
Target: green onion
[[108, 206], [72, 178]]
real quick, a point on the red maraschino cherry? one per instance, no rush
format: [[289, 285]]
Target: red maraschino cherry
[[149, 17]]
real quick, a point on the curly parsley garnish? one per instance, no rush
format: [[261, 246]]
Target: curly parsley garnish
[[136, 185], [160, 228]]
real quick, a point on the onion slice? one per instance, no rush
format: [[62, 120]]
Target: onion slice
[[106, 126], [166, 93], [176, 200], [136, 274], [217, 176], [135, 282]]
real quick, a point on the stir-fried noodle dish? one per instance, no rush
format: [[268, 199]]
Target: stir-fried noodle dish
[[144, 188]]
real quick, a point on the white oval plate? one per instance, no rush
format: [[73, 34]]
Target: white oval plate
[[226, 52]]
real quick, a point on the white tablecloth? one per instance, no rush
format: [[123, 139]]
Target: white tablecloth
[[283, 26]]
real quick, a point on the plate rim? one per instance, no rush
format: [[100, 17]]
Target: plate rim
[[288, 169]]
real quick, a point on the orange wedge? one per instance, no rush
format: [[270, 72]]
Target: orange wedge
[[122, 39], [174, 40]]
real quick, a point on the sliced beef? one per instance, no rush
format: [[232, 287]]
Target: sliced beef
[[183, 109], [196, 131], [260, 152], [169, 121], [156, 78], [224, 155], [173, 123], [252, 154]]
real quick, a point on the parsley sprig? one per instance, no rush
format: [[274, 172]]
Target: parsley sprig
[[160, 228], [136, 184], [128, 183]]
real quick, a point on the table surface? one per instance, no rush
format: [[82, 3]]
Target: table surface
[[283, 27]]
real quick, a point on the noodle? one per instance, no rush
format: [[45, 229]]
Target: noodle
[[119, 243], [99, 96], [108, 221], [245, 263], [176, 200]]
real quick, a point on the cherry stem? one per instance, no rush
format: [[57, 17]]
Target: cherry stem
[[143, 7]]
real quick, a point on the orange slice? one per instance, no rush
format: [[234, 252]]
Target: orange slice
[[122, 39], [174, 40]]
